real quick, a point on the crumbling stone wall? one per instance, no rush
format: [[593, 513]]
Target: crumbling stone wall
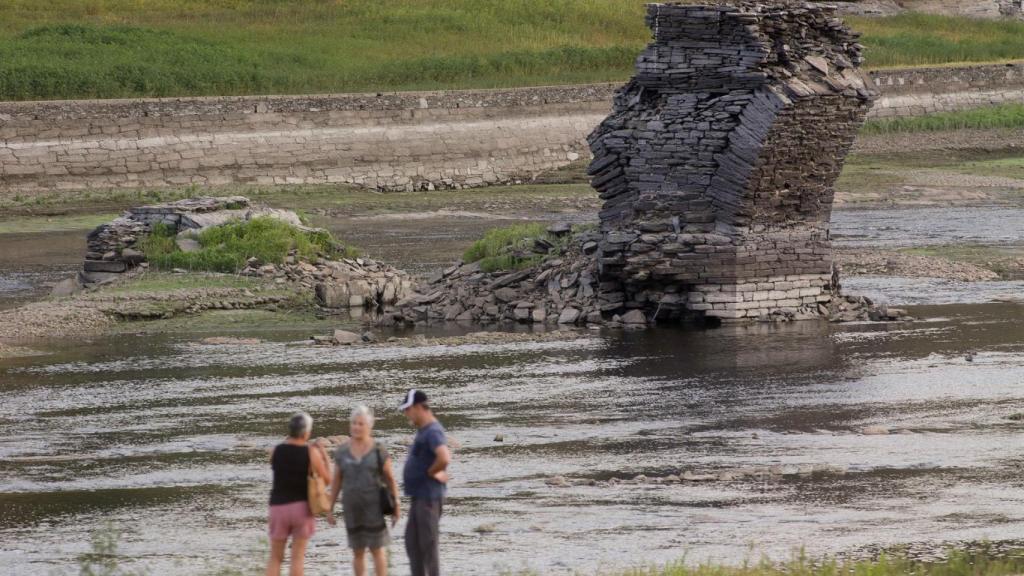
[[717, 163]]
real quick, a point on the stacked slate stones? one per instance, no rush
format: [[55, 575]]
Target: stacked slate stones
[[717, 164]]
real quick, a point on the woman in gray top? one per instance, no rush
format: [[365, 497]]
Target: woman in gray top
[[362, 467]]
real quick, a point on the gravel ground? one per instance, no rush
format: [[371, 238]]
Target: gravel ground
[[875, 263]]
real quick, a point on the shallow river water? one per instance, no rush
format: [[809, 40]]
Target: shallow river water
[[166, 438]]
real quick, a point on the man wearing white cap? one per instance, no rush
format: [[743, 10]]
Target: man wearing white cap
[[424, 480]]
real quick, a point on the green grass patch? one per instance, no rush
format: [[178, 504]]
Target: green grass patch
[[66, 223], [1010, 167], [957, 564], [168, 282], [507, 248], [128, 48], [994, 117], [307, 199], [124, 48], [1003, 260], [915, 39], [226, 248]]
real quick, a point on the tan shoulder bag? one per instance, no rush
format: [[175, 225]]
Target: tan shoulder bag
[[319, 497]]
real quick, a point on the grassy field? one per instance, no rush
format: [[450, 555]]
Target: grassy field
[[926, 39], [124, 48], [1003, 116]]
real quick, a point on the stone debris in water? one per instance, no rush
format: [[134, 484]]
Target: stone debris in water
[[565, 290], [420, 340]]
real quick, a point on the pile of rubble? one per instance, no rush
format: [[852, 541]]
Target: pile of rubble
[[112, 246], [565, 289], [349, 283]]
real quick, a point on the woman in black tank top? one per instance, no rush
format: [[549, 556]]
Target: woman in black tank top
[[289, 506], [291, 467]]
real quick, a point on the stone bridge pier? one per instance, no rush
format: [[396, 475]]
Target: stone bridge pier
[[717, 164]]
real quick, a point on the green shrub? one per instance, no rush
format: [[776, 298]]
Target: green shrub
[[227, 248]]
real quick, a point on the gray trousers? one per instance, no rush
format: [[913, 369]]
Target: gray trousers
[[422, 537]]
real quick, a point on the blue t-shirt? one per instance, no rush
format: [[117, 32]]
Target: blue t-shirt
[[415, 481]]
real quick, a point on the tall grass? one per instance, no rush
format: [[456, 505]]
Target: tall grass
[[227, 248], [1003, 116], [128, 48], [506, 248], [116, 48], [914, 39]]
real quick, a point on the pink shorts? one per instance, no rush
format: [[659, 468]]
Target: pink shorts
[[293, 519]]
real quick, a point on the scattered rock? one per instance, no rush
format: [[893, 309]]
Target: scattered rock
[[560, 229], [188, 244], [569, 316], [346, 338], [486, 528], [67, 287], [634, 317]]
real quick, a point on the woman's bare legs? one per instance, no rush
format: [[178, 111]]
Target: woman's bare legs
[[298, 567], [359, 561], [276, 557], [380, 561]]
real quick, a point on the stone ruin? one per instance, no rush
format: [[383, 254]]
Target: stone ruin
[[717, 164], [350, 284], [716, 168], [111, 246]]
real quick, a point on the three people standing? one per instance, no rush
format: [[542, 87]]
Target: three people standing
[[363, 477]]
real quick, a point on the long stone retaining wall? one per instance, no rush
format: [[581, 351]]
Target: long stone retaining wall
[[398, 141]]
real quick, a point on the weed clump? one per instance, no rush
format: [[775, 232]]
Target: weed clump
[[512, 247], [227, 248]]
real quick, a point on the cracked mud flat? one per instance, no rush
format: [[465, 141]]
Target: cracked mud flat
[[166, 437]]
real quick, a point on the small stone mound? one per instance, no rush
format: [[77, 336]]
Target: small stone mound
[[112, 246], [562, 290], [349, 283]]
